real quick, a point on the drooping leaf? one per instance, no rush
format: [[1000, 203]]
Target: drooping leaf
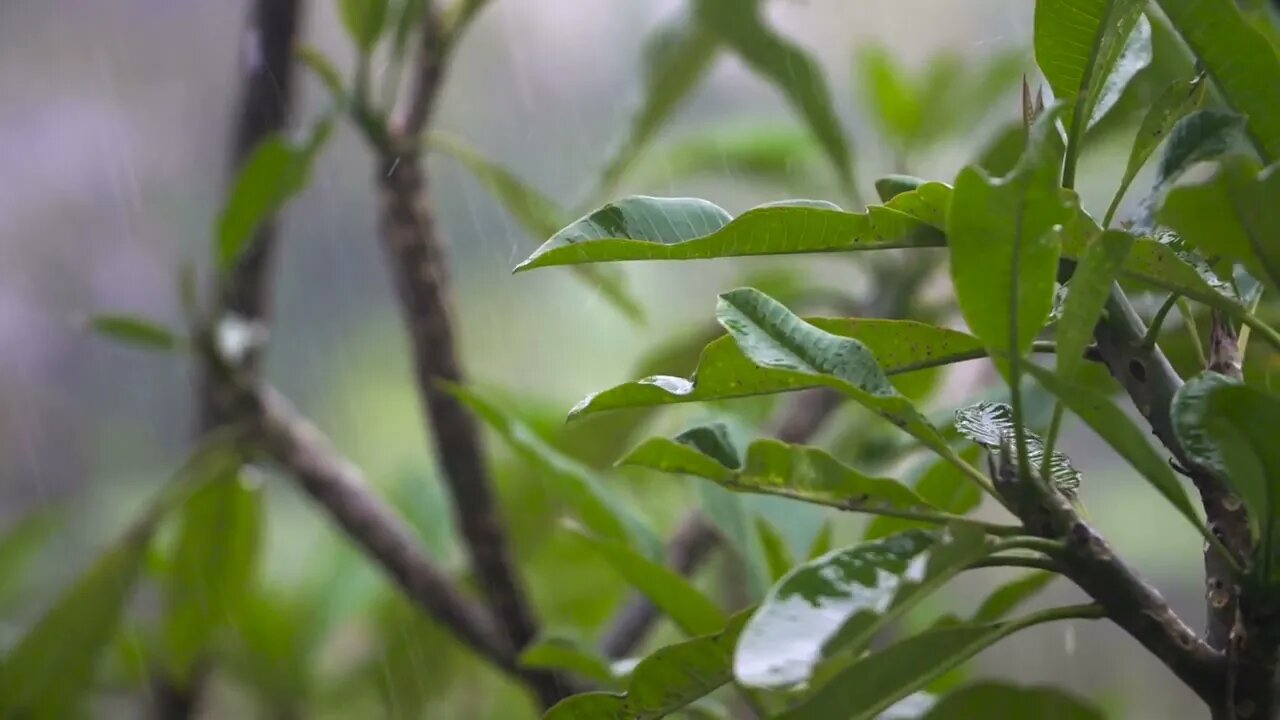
[[1242, 64], [212, 566], [990, 425], [669, 679], [942, 486], [995, 225], [872, 684], [1006, 598], [1087, 294], [363, 20], [777, 468], [1175, 103], [676, 57], [724, 372], [555, 653], [687, 606], [1234, 215], [1122, 434], [1011, 702], [274, 172], [591, 501], [739, 24], [538, 215], [134, 331], [1079, 46], [650, 228], [837, 602]]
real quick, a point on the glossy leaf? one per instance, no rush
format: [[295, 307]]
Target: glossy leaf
[[942, 486], [687, 606], [724, 372], [590, 499], [1011, 702], [1079, 44], [1087, 293], [1122, 434], [650, 228], [676, 57], [1234, 215], [891, 186], [669, 679], [538, 216], [1006, 598], [1135, 55], [212, 565], [740, 25], [990, 425], [1243, 65], [837, 602], [998, 227], [1202, 135], [363, 20], [1169, 108], [564, 654], [273, 173], [134, 331], [777, 468]]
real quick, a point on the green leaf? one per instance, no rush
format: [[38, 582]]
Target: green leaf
[[942, 486], [867, 687], [687, 606], [363, 20], [724, 372], [739, 24], [1188, 414], [764, 152], [1004, 599], [212, 565], [325, 71], [1243, 65], [1229, 427], [1010, 702], [650, 228], [1122, 434], [669, 679], [1087, 293], [538, 216], [1079, 46], [1233, 215], [273, 173], [676, 57], [822, 542], [592, 503], [891, 186], [553, 653], [990, 425], [998, 227], [134, 331], [1177, 100], [1202, 135], [20, 545], [1135, 55], [837, 602], [777, 468], [776, 552], [895, 102]]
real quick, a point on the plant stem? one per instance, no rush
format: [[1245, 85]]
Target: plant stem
[[1083, 611], [1016, 561], [933, 517], [1051, 438], [1031, 542], [1157, 321], [1189, 318]]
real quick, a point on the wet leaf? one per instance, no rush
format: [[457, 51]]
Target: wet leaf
[[590, 499], [1172, 105], [1200, 136], [1188, 414], [836, 603], [669, 679], [1087, 293], [996, 228], [1243, 65], [649, 228]]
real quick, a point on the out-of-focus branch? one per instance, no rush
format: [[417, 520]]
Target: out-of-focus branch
[[415, 253]]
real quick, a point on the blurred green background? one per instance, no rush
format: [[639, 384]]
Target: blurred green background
[[114, 128]]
